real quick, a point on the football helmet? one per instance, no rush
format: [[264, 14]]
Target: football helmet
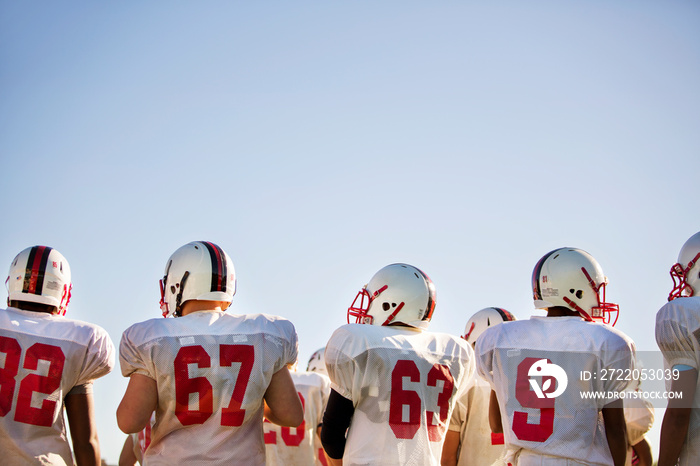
[[686, 272], [199, 270], [398, 293], [484, 319], [317, 362], [572, 278], [40, 274]]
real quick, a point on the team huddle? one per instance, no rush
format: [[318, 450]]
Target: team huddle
[[211, 387]]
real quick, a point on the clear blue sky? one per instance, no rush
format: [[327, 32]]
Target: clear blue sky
[[319, 141]]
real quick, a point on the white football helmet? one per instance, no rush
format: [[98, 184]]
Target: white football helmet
[[484, 319], [398, 293], [40, 274], [572, 278], [686, 272], [199, 270], [317, 362]]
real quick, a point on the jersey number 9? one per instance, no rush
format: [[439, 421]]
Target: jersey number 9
[[527, 398]]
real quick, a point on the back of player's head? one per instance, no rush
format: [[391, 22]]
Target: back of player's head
[[397, 294], [572, 278], [199, 270], [317, 362], [40, 275], [686, 272], [483, 319]]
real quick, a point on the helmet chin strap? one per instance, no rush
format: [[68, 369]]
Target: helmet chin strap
[[393, 314], [578, 309], [178, 298], [471, 329]]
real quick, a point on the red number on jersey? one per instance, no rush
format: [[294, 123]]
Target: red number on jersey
[[409, 400], [232, 415], [528, 399], [294, 439], [45, 384], [400, 398], [439, 372], [31, 383], [184, 386], [271, 436], [289, 439], [12, 351]]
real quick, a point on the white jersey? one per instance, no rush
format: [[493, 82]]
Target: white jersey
[[42, 358], [403, 383], [678, 337], [289, 446], [478, 446], [639, 417], [548, 417], [212, 370]]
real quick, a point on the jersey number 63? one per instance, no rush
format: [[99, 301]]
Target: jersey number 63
[[410, 400]]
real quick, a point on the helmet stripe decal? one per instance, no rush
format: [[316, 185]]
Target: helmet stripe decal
[[36, 266], [218, 267], [505, 315], [536, 292], [430, 306]]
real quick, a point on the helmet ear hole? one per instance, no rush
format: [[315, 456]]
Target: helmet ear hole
[[579, 294], [386, 306]]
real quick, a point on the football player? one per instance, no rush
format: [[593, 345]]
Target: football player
[[535, 368], [207, 374], [301, 445], [317, 362], [639, 418], [678, 337], [395, 381], [469, 440], [49, 364]]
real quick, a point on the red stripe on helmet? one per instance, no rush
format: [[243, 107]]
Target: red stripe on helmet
[[218, 266], [36, 267], [430, 306], [505, 315], [536, 272]]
